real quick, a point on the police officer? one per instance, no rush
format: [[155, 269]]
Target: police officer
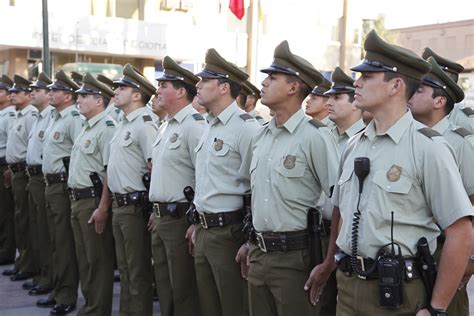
[[57, 145], [462, 115], [431, 104], [222, 179], [316, 103], [90, 198], [130, 156], [7, 233], [292, 164], [346, 117], [405, 181], [173, 170], [16, 158], [113, 111], [249, 95], [39, 231]]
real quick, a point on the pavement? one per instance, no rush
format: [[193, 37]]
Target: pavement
[[14, 301]]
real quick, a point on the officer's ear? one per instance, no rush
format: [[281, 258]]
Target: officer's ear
[[294, 87], [397, 86], [439, 102]]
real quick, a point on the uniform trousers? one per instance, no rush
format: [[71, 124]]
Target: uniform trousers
[[7, 226], [133, 249]]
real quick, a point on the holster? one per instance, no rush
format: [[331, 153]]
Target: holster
[[314, 234]]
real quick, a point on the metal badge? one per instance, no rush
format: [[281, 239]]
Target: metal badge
[[18, 128], [56, 135], [87, 143], [41, 134], [127, 135], [218, 143], [289, 162], [393, 174], [174, 138]]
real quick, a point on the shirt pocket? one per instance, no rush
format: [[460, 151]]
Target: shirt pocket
[[58, 137], [126, 142], [291, 167], [175, 145], [219, 149], [88, 146]]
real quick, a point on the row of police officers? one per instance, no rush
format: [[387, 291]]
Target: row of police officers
[[215, 209]]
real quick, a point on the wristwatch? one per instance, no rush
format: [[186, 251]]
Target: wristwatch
[[437, 312]]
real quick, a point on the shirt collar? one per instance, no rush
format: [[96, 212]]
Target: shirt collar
[[46, 111], [442, 125], [225, 115], [134, 114], [182, 114], [355, 128], [93, 120], [291, 124], [67, 110], [27, 109], [395, 132]]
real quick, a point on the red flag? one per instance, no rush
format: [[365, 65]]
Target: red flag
[[237, 7]]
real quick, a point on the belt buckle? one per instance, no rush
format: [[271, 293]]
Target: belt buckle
[[156, 208], [202, 220], [362, 267], [261, 241]]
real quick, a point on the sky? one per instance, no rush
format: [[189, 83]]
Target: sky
[[406, 13]]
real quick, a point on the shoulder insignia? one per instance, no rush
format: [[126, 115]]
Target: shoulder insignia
[[75, 113], [12, 113], [428, 132], [147, 118], [109, 123], [317, 123], [246, 116], [266, 123], [35, 114], [117, 110], [462, 131], [468, 111], [258, 117], [198, 117]]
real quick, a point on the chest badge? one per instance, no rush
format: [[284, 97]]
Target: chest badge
[[87, 143], [393, 174], [18, 128], [56, 135], [218, 143], [127, 135], [174, 138], [289, 162], [41, 134]]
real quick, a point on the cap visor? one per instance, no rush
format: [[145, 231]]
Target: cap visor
[[274, 69], [367, 68], [167, 78], [205, 74]]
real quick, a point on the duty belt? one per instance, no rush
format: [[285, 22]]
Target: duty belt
[[133, 198], [34, 170], [86, 193], [175, 209], [209, 220], [52, 178], [411, 268], [17, 166], [282, 241], [3, 161]]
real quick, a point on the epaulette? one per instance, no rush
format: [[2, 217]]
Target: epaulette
[[428, 132], [258, 117], [462, 131], [468, 111], [117, 110], [147, 118], [198, 117], [317, 123], [75, 113], [35, 114], [11, 113], [246, 116], [109, 123]]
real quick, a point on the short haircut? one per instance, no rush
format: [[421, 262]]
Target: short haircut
[[234, 87], [411, 84], [104, 99], [305, 90], [144, 97], [438, 92], [191, 90]]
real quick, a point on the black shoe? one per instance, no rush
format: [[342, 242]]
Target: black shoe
[[20, 276], [38, 290], [6, 261], [46, 302], [28, 285], [62, 309], [9, 272]]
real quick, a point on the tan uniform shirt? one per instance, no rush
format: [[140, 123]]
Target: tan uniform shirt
[[114, 112], [90, 152], [411, 175], [223, 161], [463, 147], [18, 138], [130, 149], [351, 131], [7, 117], [61, 133], [34, 153], [463, 116], [330, 124], [174, 156], [257, 116], [291, 166]]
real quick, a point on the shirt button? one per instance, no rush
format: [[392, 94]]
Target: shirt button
[[389, 187], [266, 200], [269, 159], [268, 180], [266, 220], [373, 147]]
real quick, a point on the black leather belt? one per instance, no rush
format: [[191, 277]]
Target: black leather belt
[[282, 241], [132, 198], [209, 220], [411, 270], [17, 166], [34, 170], [52, 178], [3, 161], [175, 209], [86, 193]]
